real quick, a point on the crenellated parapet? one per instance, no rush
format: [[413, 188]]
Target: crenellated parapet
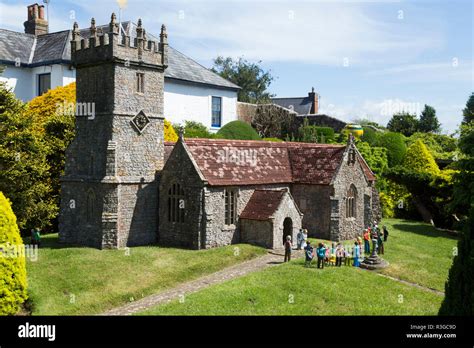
[[102, 47]]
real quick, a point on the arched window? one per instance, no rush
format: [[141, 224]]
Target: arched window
[[90, 206], [176, 203], [351, 199]]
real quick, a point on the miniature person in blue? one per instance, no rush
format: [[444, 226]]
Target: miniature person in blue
[[321, 253], [356, 254]]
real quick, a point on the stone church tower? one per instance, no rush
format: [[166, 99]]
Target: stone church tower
[[109, 193]]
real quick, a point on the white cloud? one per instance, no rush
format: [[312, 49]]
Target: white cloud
[[297, 31]]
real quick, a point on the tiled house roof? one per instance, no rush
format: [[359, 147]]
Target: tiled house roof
[[262, 204], [315, 165], [234, 162], [238, 162], [33, 50]]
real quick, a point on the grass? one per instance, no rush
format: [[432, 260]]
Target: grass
[[291, 289], [417, 253], [79, 281]]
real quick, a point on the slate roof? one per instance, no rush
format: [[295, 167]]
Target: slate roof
[[300, 105], [55, 48], [240, 162], [262, 204]]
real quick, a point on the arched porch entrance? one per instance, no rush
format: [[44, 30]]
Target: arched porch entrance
[[287, 229]]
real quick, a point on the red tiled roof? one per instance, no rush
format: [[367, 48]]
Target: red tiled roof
[[243, 162], [234, 162], [315, 165], [367, 171], [262, 204]]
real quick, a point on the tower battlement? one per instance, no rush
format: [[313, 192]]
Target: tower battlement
[[111, 46]]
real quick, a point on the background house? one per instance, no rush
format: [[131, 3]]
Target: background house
[[37, 61]]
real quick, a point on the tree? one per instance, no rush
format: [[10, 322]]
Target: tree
[[238, 130], [370, 135], [441, 146], [12, 261], [253, 80], [53, 117], [419, 159], [459, 288], [395, 145], [468, 111], [403, 123], [170, 133], [428, 122], [24, 170], [376, 157]]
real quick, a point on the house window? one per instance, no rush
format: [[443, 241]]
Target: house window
[[351, 200], [216, 111], [44, 83], [230, 206], [176, 203], [140, 82]]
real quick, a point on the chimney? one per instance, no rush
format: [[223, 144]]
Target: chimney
[[36, 23], [314, 97]]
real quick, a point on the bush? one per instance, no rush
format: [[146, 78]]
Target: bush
[[238, 130], [170, 133], [12, 262], [440, 146], [370, 136], [395, 145], [24, 174], [419, 159], [193, 129], [276, 140], [376, 157]]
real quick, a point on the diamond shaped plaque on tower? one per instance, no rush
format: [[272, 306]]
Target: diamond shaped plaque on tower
[[140, 121]]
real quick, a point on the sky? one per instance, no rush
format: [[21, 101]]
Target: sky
[[366, 59]]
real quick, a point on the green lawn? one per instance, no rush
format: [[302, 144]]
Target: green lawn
[[71, 281], [416, 252]]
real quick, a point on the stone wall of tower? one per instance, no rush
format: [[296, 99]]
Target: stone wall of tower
[[109, 195]]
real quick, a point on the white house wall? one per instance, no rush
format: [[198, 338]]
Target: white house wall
[[24, 81], [194, 103], [182, 101]]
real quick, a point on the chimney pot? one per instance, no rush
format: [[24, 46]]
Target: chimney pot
[[36, 23]]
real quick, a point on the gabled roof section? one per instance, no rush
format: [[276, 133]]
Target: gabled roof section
[[300, 105], [263, 204], [55, 48], [34, 51], [315, 165], [239, 162]]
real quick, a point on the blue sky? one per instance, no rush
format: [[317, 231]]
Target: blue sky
[[365, 58]]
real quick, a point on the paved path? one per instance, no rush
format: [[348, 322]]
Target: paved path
[[271, 259]]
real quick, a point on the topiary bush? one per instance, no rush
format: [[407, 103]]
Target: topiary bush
[[12, 262], [238, 130], [395, 145]]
